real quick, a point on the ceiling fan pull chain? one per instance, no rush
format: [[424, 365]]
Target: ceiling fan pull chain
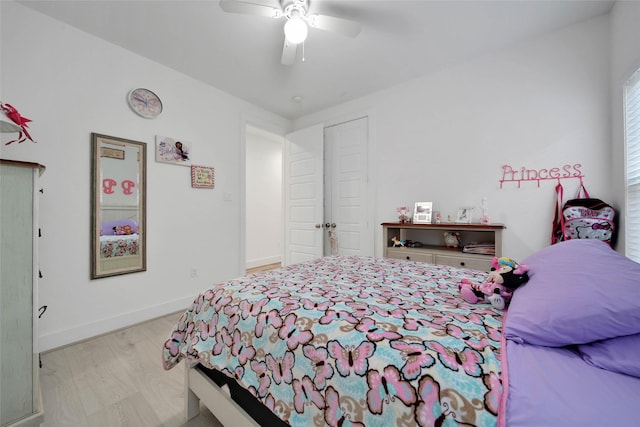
[[303, 51]]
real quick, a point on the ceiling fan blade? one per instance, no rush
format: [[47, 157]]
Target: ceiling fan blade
[[335, 25], [233, 6], [289, 53]]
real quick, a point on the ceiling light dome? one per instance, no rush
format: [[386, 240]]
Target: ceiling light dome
[[295, 30]]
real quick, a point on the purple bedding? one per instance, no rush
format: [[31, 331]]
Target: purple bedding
[[572, 340], [554, 386]]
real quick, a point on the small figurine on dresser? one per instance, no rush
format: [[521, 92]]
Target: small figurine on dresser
[[397, 242], [452, 239], [402, 214]]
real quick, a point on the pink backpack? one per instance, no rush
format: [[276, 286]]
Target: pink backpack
[[583, 218]]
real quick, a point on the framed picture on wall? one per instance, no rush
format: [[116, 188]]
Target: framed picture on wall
[[173, 150], [422, 212], [464, 215], [202, 177]]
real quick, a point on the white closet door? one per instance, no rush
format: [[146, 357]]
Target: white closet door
[[303, 194], [347, 208]]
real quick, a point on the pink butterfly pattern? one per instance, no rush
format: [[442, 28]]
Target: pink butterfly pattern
[[416, 358], [350, 341], [264, 380], [467, 359], [434, 409], [281, 368], [494, 391], [335, 414], [318, 357], [304, 393], [292, 333], [251, 308], [265, 319], [386, 386], [351, 358], [337, 315], [241, 349], [374, 332]]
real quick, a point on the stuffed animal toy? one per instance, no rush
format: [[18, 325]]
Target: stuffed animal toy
[[505, 277], [123, 229], [452, 240], [397, 242]]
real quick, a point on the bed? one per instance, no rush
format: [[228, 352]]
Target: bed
[[119, 244], [347, 340]]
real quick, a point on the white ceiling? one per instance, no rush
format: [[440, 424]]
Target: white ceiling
[[240, 54]]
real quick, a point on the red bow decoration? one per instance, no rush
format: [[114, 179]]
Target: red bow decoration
[[14, 115]]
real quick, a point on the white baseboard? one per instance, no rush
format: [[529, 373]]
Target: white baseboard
[[87, 331], [263, 261]]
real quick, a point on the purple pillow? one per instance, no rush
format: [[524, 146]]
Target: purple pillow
[[620, 354], [579, 291]]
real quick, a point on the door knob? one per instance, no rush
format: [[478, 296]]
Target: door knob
[[327, 225], [333, 225], [318, 225]]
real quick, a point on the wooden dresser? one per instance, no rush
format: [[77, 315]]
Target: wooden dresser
[[434, 250], [20, 402]]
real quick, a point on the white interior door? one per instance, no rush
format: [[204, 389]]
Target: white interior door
[[347, 206], [303, 195]]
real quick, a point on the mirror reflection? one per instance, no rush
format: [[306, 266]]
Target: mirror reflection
[[118, 203]]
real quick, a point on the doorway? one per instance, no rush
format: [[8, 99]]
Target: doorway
[[263, 198]]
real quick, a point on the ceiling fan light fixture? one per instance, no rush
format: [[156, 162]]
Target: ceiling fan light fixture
[[295, 30]]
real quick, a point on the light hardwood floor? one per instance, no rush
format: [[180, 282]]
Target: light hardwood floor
[[117, 380], [263, 268]]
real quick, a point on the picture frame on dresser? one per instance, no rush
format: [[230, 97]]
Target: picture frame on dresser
[[422, 212], [464, 215]]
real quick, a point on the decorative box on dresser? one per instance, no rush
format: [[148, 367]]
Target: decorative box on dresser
[[434, 249], [20, 401]]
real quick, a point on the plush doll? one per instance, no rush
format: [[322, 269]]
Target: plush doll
[[452, 240], [122, 230], [505, 276], [397, 242]]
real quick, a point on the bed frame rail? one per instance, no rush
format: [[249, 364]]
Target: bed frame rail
[[200, 387]]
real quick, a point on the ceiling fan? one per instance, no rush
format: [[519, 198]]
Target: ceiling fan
[[298, 21]]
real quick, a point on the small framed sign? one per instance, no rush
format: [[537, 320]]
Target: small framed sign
[[202, 177], [464, 215], [422, 213]]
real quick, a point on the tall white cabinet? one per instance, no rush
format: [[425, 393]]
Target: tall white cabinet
[[20, 403]]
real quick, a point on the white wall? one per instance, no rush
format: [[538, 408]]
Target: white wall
[[625, 60], [441, 138], [264, 197], [444, 137], [71, 84]]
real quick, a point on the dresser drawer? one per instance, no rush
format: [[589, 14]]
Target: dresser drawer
[[465, 262], [411, 255]]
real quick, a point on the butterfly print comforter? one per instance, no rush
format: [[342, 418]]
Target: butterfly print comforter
[[348, 340]]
